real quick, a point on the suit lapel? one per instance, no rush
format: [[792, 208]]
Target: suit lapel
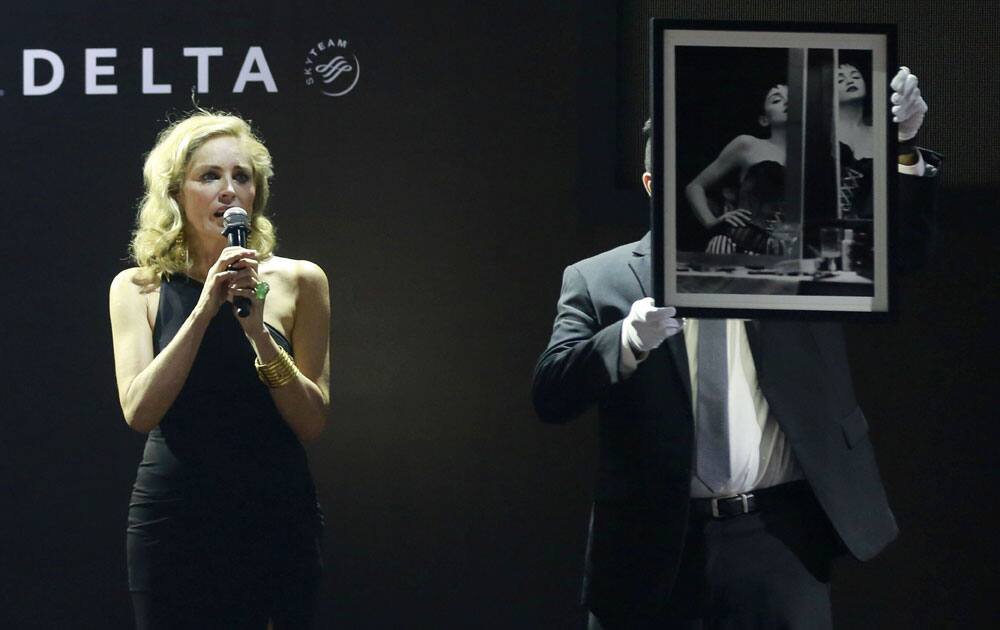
[[678, 352], [641, 265], [790, 372]]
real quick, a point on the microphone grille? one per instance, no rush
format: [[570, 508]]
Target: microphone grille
[[235, 217]]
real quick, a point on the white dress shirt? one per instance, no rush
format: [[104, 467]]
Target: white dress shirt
[[760, 455]]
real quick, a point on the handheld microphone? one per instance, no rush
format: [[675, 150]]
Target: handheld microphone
[[236, 227]]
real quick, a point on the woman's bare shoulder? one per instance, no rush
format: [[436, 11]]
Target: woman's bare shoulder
[[133, 281], [294, 270], [134, 296], [745, 142]]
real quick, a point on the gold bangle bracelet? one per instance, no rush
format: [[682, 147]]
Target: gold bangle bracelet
[[277, 372]]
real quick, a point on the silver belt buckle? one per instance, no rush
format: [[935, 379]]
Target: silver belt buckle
[[715, 508], [744, 498]]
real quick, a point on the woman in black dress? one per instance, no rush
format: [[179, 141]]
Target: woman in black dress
[[854, 136], [760, 162], [760, 165], [224, 525]]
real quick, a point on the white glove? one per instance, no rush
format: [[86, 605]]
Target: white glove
[[908, 108], [647, 326]]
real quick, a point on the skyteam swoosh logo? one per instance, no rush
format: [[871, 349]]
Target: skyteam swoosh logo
[[332, 67]]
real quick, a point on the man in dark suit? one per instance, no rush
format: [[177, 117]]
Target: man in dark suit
[[719, 503]]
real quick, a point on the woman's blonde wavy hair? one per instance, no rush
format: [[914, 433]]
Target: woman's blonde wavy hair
[[158, 244]]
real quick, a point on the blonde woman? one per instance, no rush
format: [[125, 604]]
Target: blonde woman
[[224, 525]]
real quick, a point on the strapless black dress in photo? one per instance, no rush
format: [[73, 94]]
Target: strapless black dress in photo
[[762, 194], [855, 185]]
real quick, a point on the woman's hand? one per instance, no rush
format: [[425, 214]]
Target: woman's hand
[[735, 218], [244, 284], [234, 265]]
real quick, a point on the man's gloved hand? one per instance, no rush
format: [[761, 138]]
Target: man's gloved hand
[[908, 107], [647, 326]]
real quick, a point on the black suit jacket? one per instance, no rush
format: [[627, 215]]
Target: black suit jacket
[[646, 434]]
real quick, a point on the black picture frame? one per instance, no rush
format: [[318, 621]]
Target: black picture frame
[[825, 173]]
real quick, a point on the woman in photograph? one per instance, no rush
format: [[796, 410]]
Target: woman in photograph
[[759, 165], [854, 135], [224, 524], [740, 225]]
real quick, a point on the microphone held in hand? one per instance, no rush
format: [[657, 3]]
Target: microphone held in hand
[[236, 228]]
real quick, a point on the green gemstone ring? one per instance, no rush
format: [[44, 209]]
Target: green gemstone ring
[[261, 290]]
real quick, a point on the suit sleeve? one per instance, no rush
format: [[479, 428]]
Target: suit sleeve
[[582, 359], [915, 224]]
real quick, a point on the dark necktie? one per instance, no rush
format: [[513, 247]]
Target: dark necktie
[[712, 419]]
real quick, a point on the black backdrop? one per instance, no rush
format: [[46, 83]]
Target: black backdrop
[[474, 159]]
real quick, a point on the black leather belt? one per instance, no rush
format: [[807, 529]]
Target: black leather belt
[[749, 502]]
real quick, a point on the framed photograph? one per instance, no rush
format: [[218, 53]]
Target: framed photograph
[[774, 168]]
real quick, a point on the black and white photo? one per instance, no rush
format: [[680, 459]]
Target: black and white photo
[[772, 175]]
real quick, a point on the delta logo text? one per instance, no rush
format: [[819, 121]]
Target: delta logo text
[[331, 67], [43, 71]]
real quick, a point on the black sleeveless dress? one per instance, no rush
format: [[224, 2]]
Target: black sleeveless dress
[[762, 193], [855, 185], [223, 505]]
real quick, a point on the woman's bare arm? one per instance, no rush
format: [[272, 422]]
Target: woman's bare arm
[[732, 157], [148, 385], [304, 403]]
